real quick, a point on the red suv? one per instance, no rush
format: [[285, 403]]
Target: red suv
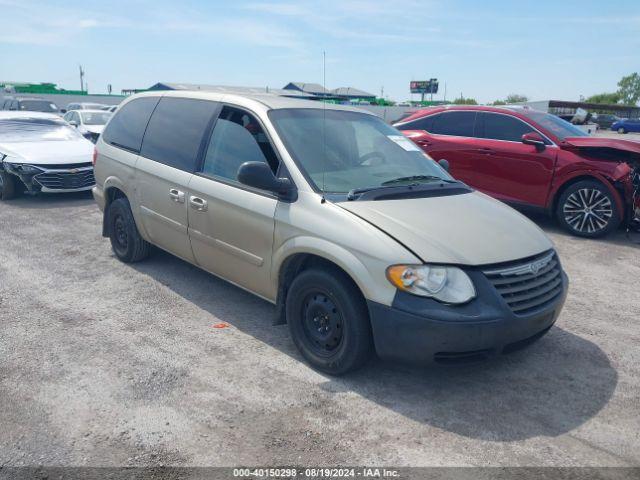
[[530, 158]]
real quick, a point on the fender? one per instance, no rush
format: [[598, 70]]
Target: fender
[[605, 180], [370, 287], [115, 182]]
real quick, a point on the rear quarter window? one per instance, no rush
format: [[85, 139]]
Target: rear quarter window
[[126, 128], [176, 130]]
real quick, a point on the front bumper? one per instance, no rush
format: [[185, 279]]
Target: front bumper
[[421, 330], [55, 179]]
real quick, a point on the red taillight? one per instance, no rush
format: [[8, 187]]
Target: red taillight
[[95, 155]]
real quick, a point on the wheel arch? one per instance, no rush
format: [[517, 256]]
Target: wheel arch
[[592, 176], [286, 269], [112, 191]]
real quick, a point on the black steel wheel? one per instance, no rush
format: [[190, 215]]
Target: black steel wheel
[[587, 209], [329, 321], [126, 241]]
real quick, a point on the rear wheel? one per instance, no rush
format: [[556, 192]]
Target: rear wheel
[[588, 209], [126, 241], [328, 321], [8, 186]]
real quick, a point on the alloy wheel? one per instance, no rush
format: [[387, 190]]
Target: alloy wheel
[[588, 210]]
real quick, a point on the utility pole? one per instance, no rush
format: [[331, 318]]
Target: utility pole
[[81, 78]]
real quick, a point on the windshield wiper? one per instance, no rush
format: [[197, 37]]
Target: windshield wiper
[[417, 178]]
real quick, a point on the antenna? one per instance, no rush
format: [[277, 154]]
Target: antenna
[[324, 121]]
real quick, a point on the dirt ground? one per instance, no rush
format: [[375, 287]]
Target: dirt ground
[[109, 364]]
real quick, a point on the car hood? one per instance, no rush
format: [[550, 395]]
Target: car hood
[[49, 152], [468, 229], [602, 142]]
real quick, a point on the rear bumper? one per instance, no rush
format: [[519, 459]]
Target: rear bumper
[[445, 334]]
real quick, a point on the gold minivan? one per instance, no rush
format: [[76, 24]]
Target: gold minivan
[[361, 241]]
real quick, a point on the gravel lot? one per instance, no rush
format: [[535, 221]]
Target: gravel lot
[[110, 364]]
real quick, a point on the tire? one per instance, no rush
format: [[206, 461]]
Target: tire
[[622, 130], [326, 298], [8, 186], [588, 209], [126, 241]]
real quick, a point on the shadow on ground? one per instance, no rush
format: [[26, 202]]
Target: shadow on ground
[[46, 201], [550, 388], [618, 237]]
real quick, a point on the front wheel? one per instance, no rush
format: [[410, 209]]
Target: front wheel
[[588, 209], [621, 130], [328, 321]]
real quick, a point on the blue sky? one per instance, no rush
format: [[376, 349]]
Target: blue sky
[[483, 49]]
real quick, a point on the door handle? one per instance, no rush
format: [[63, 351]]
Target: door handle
[[424, 143], [198, 203], [486, 151], [176, 195]]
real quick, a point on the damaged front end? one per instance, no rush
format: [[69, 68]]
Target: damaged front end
[[52, 178], [626, 174]]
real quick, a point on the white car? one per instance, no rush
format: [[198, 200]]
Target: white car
[[90, 123], [40, 152]]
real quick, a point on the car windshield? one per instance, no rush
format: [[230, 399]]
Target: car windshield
[[95, 118], [557, 126], [15, 130], [340, 151], [38, 106]]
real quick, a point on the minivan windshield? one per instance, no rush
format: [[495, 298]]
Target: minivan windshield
[[557, 126], [340, 151]]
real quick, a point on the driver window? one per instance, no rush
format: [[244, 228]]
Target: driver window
[[237, 138]]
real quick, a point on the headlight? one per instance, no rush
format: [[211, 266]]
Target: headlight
[[25, 169], [446, 284]]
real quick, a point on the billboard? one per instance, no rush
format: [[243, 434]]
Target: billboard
[[424, 86]]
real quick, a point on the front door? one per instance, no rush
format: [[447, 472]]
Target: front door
[[506, 168], [231, 226]]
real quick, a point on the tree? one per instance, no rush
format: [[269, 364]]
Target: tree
[[499, 102], [630, 88], [516, 98], [465, 101], [608, 98]]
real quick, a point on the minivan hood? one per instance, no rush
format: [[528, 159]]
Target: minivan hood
[[49, 152], [602, 142], [468, 229]]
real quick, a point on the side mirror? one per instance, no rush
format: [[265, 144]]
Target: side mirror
[[63, 110], [444, 164], [259, 175], [535, 139]]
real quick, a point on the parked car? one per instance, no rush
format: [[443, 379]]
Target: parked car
[[626, 125], [84, 106], [41, 152], [605, 120], [358, 238], [90, 123], [532, 159], [29, 105]]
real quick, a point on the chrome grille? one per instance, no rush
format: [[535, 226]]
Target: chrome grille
[[66, 179], [528, 285]]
